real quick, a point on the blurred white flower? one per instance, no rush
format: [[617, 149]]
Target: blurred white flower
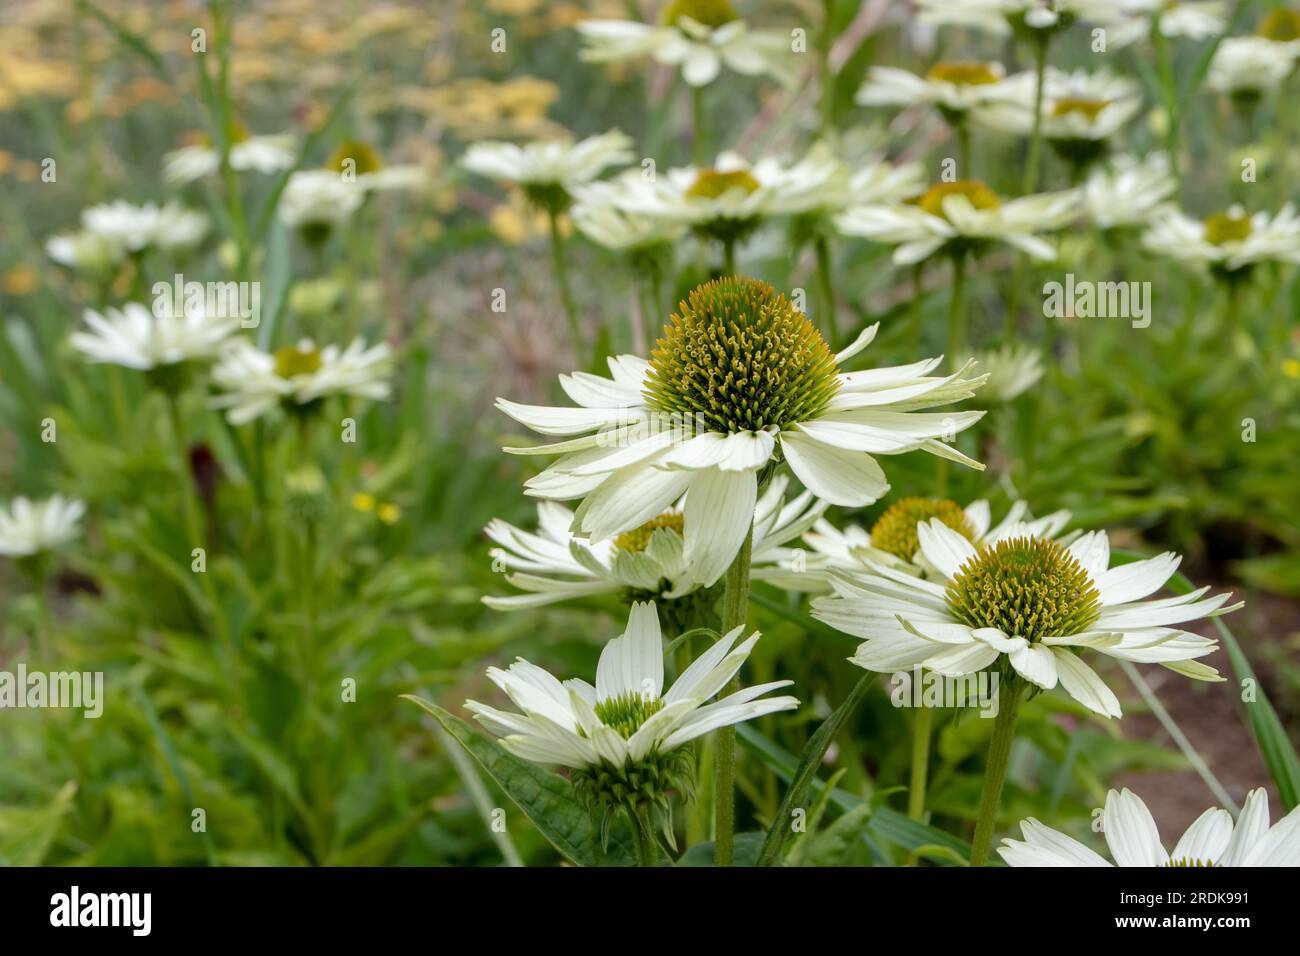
[[29, 527], [1134, 839], [1002, 16], [136, 337], [170, 227], [1250, 65], [86, 251], [553, 564], [261, 154], [1079, 108], [1227, 241], [700, 37], [1133, 20], [961, 215], [296, 377], [953, 88], [1012, 371], [550, 171], [319, 199], [1126, 191]]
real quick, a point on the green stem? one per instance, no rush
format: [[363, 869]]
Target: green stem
[[729, 257], [826, 281], [699, 151], [920, 761], [995, 771], [827, 40], [1169, 92], [957, 310], [562, 276], [643, 842], [1036, 137], [735, 609], [963, 147]]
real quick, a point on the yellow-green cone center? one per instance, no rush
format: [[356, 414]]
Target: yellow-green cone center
[[291, 361], [1024, 587], [711, 13], [1225, 227], [740, 356], [979, 195], [364, 158], [895, 530], [963, 74], [1078, 104], [712, 183], [1281, 25], [638, 539], [626, 712], [1184, 861]]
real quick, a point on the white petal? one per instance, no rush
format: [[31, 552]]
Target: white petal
[[848, 478], [719, 513], [1131, 831], [1082, 683]]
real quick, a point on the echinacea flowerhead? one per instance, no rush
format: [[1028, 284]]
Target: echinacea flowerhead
[[714, 183], [895, 530], [1029, 587], [1281, 25], [638, 539], [710, 13], [363, 158], [1227, 227], [978, 194], [963, 74], [740, 354]]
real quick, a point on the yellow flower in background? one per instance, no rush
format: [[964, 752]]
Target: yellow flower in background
[[389, 513], [20, 280], [363, 501], [1291, 368]]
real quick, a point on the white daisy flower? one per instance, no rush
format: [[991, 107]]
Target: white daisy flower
[[552, 171], [1134, 840], [359, 163], [1227, 242], [170, 227], [1126, 191], [1003, 16], [1250, 66], [623, 740], [1134, 20], [29, 527], [954, 88], [139, 338], [317, 200], [1081, 110], [297, 377], [700, 37], [598, 216], [740, 381], [648, 562], [1012, 370], [1025, 604], [961, 216], [259, 154], [86, 251], [894, 541]]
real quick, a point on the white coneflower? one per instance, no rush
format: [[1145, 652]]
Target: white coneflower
[[86, 252], [296, 377], [170, 228], [1132, 20], [1125, 191], [1134, 839], [248, 153], [1026, 17], [739, 381], [648, 562], [954, 88], [30, 527], [894, 541], [622, 741], [159, 343], [598, 216], [1081, 111], [700, 37], [550, 171], [315, 201], [1025, 604], [355, 161], [1227, 243], [959, 217], [1012, 370], [1250, 66]]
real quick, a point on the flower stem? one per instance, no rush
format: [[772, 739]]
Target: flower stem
[[728, 257], [995, 771], [735, 608], [699, 153], [826, 280], [920, 761], [826, 42], [963, 148], [1036, 137], [1169, 93], [957, 310], [643, 842], [562, 276]]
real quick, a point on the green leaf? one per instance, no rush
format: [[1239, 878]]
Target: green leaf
[[745, 851], [26, 833], [545, 798], [832, 847], [806, 770]]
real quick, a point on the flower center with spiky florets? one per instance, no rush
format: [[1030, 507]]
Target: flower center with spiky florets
[[963, 74], [739, 355], [1078, 104], [713, 183], [364, 159], [1281, 25], [1226, 227], [292, 361], [711, 13], [638, 539], [979, 195], [895, 530], [627, 712], [1185, 861], [1025, 587]]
